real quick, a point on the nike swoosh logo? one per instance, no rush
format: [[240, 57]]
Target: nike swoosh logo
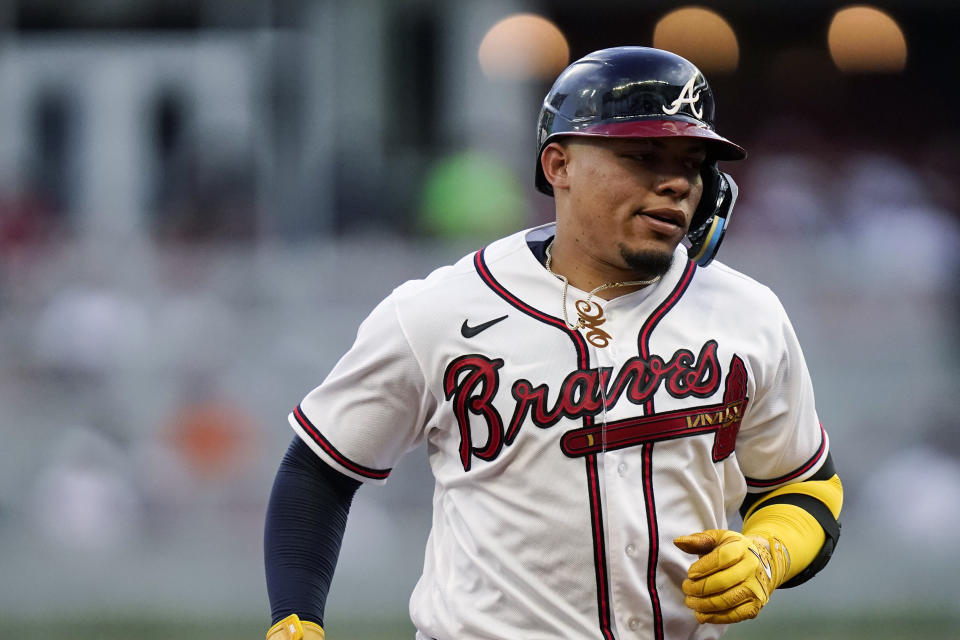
[[763, 564], [468, 332]]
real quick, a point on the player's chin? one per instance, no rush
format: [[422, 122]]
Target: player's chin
[[648, 261]]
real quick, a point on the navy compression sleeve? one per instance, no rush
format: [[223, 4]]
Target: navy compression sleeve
[[306, 517]]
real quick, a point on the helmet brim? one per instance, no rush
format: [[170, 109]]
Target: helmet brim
[[720, 147]]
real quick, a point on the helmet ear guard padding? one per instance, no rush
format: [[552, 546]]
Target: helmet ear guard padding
[[712, 216]]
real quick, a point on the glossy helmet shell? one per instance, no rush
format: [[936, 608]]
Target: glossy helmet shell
[[631, 92]]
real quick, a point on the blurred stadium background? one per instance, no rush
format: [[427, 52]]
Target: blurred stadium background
[[201, 199]]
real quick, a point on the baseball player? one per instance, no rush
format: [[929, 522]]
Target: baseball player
[[622, 431]]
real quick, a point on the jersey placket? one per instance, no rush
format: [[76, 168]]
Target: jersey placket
[[622, 473]]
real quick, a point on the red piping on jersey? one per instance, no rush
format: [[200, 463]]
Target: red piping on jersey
[[599, 547], [481, 265], [805, 467], [654, 553], [643, 340], [593, 480], [643, 345], [367, 472]]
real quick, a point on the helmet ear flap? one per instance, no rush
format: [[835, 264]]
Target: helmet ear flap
[[712, 216]]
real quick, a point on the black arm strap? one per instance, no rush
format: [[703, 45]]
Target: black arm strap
[[817, 509], [825, 472], [305, 521]]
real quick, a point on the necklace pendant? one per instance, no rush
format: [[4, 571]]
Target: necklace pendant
[[591, 313], [591, 317]]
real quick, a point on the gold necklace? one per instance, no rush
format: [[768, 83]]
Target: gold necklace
[[590, 313]]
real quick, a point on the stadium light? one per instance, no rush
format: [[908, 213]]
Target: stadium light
[[523, 46], [700, 35], [864, 39]]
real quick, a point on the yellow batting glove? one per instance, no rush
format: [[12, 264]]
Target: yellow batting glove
[[735, 575], [293, 628]]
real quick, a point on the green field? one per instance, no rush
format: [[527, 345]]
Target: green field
[[860, 627]]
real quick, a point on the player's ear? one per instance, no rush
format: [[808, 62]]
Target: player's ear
[[555, 161]]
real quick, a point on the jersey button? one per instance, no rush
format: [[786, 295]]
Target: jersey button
[[622, 469], [634, 624], [631, 550]]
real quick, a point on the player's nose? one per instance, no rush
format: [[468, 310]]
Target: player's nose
[[672, 183]]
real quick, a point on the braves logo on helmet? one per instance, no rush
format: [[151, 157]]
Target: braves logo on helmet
[[687, 96]]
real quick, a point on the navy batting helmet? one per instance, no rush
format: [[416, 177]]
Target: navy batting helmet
[[639, 92]]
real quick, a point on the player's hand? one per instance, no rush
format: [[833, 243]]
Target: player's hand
[[293, 628], [734, 576]]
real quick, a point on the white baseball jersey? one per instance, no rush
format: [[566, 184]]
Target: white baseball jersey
[[566, 461]]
